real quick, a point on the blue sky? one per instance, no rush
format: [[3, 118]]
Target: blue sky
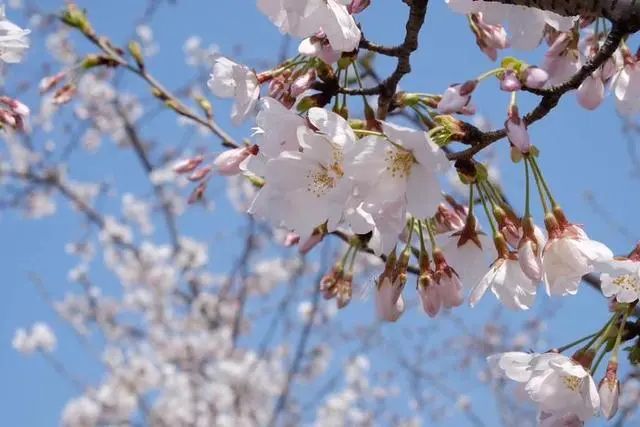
[[581, 152]]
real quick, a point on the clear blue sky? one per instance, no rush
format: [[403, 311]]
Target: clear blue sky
[[582, 151]]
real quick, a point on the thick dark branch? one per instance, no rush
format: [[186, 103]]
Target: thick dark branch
[[625, 13], [382, 50], [417, 13]]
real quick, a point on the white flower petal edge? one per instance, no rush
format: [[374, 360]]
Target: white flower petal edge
[[231, 80], [556, 383]]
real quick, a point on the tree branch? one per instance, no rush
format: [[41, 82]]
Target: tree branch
[[417, 13], [480, 140]]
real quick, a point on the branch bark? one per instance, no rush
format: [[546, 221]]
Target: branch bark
[[417, 13]]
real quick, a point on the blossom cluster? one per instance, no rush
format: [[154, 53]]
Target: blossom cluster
[[175, 334]]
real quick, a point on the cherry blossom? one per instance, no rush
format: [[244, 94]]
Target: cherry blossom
[[457, 98], [568, 255], [526, 25], [319, 46], [305, 189], [276, 129], [14, 40], [389, 301], [232, 80], [620, 279], [508, 283], [626, 88], [307, 17], [556, 383], [403, 166]]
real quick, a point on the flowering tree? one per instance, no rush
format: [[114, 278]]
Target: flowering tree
[[347, 184]]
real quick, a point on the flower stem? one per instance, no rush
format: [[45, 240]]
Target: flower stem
[[534, 164], [527, 199], [359, 80], [486, 210], [422, 245], [346, 84], [336, 105], [432, 237], [490, 73], [411, 225], [512, 101], [574, 343], [598, 360], [367, 132], [604, 334], [543, 201], [616, 347]]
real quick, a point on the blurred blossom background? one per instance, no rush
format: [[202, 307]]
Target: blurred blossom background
[[113, 334]]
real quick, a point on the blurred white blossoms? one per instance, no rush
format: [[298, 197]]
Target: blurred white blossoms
[[304, 18], [40, 337], [232, 80], [560, 386], [13, 40]]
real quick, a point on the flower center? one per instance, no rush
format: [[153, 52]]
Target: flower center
[[399, 162], [324, 179], [573, 383], [628, 282]]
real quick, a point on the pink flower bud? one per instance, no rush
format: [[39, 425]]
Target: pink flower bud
[[430, 298], [291, 239], [449, 285], [456, 97], [591, 92], [447, 220], [200, 174], [611, 66], [15, 106], [310, 242], [530, 258], [303, 83], [559, 45], [7, 118], [517, 131], [228, 163], [609, 391], [535, 77], [319, 47], [389, 302], [49, 82], [358, 6], [64, 94], [510, 82], [489, 38], [277, 88], [188, 165]]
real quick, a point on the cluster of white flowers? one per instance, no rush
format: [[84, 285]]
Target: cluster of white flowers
[[330, 176], [39, 337]]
